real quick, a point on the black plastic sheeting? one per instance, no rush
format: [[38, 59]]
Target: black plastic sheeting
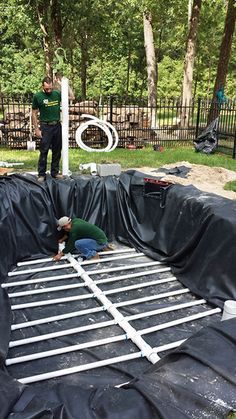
[[194, 232], [207, 141]]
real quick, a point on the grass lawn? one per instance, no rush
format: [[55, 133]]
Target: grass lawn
[[127, 158]]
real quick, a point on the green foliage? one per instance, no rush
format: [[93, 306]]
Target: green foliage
[[230, 186], [111, 34], [170, 77]]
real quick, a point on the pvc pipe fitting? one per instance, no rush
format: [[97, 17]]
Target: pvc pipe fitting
[[229, 310]]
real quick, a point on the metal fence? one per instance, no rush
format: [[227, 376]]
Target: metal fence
[[169, 124]]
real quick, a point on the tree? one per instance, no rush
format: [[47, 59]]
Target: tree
[[225, 49], [151, 63], [189, 63]]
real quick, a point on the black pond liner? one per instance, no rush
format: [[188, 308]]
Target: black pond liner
[[190, 231]]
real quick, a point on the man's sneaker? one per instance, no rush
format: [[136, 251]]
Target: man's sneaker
[[95, 257], [58, 176], [41, 179], [110, 246]]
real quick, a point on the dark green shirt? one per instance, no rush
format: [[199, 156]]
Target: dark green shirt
[[48, 105], [83, 230]]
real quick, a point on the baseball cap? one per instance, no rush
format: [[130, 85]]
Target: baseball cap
[[62, 222]]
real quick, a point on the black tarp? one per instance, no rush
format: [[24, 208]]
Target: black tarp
[[207, 141], [194, 232]]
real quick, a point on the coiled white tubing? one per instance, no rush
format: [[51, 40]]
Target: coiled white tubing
[[103, 125]]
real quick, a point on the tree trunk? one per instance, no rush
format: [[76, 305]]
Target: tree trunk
[[189, 64], [190, 8], [42, 13], [56, 22], [84, 64], [224, 57], [151, 64], [128, 67]]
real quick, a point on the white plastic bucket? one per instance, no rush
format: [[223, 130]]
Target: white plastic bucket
[[229, 310]]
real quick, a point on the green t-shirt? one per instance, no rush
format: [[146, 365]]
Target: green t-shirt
[[48, 105], [83, 230]]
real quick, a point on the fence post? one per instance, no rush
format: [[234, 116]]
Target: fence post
[[111, 108], [234, 149], [198, 115]]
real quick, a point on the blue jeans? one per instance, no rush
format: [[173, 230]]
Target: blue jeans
[[88, 247]]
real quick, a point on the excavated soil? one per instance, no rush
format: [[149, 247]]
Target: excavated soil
[[207, 179]]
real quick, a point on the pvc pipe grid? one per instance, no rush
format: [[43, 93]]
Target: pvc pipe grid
[[114, 308]]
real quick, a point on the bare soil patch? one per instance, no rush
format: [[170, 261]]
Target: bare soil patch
[[207, 179]]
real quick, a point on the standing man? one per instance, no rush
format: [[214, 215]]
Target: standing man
[[47, 103], [85, 237]]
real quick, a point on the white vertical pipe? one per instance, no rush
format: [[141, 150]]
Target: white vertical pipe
[[65, 125]]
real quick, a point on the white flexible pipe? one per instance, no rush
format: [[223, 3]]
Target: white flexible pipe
[[104, 126]]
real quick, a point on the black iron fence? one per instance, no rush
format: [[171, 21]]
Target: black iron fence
[[169, 124]]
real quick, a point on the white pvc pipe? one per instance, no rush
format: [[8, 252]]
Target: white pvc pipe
[[134, 275], [110, 361], [152, 297], [139, 285], [39, 280], [85, 367], [165, 310], [56, 318], [86, 345], [123, 268], [75, 286], [36, 270], [65, 125], [82, 312], [105, 324], [96, 364], [105, 341], [66, 265], [65, 350], [179, 321], [66, 332], [50, 302], [45, 290], [74, 275], [112, 258], [86, 296], [45, 260], [119, 318]]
